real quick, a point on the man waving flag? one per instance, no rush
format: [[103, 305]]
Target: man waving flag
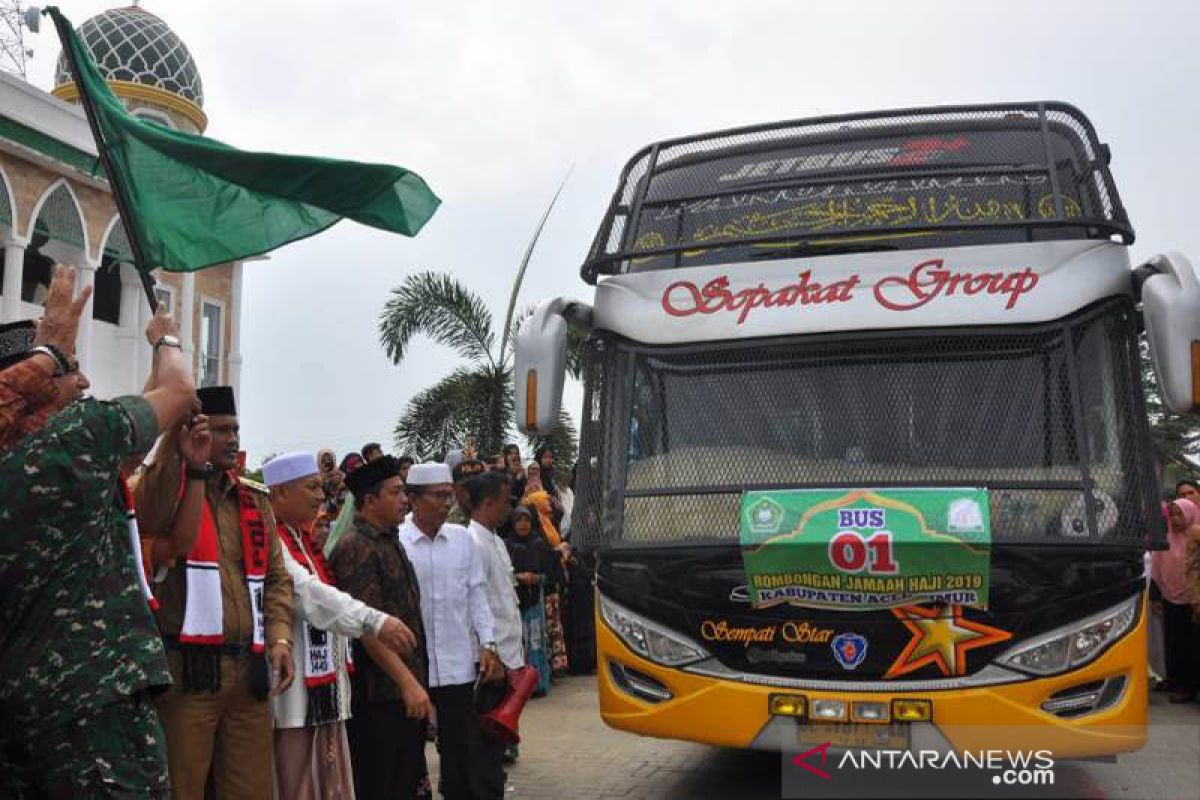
[[189, 202]]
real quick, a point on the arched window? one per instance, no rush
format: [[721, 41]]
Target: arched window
[[6, 220], [6, 212], [57, 234], [106, 302]]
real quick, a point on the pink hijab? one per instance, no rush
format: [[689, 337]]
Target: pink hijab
[[1169, 567]]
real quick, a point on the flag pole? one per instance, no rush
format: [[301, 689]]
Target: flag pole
[[124, 211]]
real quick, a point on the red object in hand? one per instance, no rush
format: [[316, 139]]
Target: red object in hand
[[500, 724]]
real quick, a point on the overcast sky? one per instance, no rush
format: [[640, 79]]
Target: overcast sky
[[492, 102]]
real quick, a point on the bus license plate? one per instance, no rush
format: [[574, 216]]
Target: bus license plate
[[854, 735]]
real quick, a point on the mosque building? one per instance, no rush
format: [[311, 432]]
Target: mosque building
[[57, 206]]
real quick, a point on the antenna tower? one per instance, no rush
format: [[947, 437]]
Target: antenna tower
[[13, 53]]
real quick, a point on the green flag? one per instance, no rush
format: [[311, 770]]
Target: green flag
[[189, 202]]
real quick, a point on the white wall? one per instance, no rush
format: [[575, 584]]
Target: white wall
[[109, 374]]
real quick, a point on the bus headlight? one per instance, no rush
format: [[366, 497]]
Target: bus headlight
[[648, 639], [1073, 645]]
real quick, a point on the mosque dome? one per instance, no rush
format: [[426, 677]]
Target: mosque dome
[[142, 59]]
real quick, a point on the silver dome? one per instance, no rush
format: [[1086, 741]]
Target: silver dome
[[131, 44]]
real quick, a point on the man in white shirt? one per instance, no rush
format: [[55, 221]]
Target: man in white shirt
[[456, 615], [488, 501]]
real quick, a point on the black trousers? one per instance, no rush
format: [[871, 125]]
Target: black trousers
[[387, 751], [579, 619], [472, 765], [1181, 646]]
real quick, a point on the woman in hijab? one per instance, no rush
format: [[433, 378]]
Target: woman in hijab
[[545, 460], [332, 481], [537, 499], [1169, 569], [351, 462], [320, 530], [344, 518], [566, 496], [535, 567], [544, 456], [516, 473]]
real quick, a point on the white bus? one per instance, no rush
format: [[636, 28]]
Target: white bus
[[928, 317]]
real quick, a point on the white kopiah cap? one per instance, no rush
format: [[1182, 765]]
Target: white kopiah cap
[[289, 467], [428, 474]]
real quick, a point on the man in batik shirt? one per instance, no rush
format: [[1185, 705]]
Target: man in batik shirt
[[390, 706]]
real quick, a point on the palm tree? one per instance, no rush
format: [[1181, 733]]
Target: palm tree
[[476, 399], [1176, 437]]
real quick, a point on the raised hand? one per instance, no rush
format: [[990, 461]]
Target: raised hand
[[195, 442], [60, 325], [160, 325]]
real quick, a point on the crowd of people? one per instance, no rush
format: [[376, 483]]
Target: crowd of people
[[1175, 598], [534, 534], [169, 627]]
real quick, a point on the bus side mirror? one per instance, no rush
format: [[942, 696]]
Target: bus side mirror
[[540, 367], [1171, 307]]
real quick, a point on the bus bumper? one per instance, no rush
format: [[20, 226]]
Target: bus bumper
[[731, 713]]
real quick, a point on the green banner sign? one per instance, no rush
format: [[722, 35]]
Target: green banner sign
[[866, 548]]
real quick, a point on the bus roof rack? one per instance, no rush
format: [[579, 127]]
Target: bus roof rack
[[882, 179]]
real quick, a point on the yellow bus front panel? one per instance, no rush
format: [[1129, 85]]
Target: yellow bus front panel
[[731, 713]]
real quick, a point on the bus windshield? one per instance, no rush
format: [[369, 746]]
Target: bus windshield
[[1038, 415]]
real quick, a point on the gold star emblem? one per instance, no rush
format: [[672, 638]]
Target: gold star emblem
[[940, 639]]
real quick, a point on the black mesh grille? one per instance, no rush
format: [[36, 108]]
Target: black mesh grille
[[1039, 415], [885, 180], [592, 521]]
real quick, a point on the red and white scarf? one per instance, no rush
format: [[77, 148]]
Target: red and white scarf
[[203, 612], [135, 544], [320, 669]]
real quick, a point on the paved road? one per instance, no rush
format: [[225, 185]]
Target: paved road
[[569, 753]]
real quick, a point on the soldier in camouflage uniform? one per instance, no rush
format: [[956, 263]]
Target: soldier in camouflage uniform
[[79, 651]]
